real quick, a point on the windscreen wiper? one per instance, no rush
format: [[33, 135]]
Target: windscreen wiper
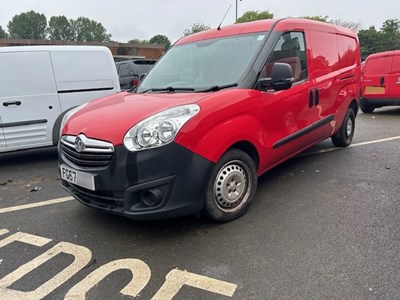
[[215, 88], [170, 89]]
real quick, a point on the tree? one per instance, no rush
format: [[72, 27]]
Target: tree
[[391, 26], [3, 34], [87, 30], [391, 34], [317, 18], [29, 25], [160, 39], [60, 28], [254, 15], [353, 26], [138, 41], [196, 27]]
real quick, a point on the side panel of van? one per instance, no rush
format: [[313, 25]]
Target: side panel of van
[[394, 78], [83, 75], [29, 100], [2, 139]]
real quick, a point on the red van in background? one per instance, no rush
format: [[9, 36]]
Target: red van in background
[[380, 85], [220, 108]]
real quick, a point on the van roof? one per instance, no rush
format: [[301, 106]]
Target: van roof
[[382, 54], [264, 26], [52, 48]]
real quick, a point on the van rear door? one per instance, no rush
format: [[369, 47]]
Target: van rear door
[[376, 81], [394, 78], [28, 101]]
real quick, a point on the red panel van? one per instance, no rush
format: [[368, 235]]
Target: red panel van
[[219, 109], [380, 85]]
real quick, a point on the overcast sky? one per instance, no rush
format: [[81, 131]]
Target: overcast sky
[[143, 19]]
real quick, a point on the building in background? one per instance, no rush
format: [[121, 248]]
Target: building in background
[[119, 50]]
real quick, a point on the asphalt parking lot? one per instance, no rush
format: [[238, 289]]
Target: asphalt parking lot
[[325, 225]]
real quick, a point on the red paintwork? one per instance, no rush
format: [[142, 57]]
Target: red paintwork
[[111, 117], [258, 118], [382, 70]]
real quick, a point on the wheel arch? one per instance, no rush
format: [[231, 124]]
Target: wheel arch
[[354, 105], [57, 126], [249, 149]]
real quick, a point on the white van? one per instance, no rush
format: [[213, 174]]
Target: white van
[[39, 84]]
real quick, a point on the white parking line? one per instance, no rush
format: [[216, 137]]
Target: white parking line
[[376, 141], [37, 204], [352, 145]]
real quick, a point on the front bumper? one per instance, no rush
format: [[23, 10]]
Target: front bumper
[[160, 183]]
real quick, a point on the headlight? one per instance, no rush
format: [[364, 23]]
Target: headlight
[[69, 115], [159, 129]]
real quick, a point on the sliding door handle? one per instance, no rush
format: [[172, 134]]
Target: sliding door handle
[[17, 103], [310, 98]]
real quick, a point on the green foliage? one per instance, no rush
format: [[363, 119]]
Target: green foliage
[[254, 15], [138, 41], [29, 25], [160, 39], [3, 34], [87, 30], [317, 18], [373, 41], [196, 27], [60, 28], [391, 26]]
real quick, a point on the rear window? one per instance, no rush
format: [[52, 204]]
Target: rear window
[[378, 65], [143, 66]]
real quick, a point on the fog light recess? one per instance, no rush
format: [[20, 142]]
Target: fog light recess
[[151, 197]]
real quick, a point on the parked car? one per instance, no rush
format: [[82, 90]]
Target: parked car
[[129, 71], [220, 108], [380, 81], [39, 84]]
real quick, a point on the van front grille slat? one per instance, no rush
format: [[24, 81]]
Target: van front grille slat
[[92, 153]]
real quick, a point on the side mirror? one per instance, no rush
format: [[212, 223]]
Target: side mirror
[[281, 78], [142, 76]]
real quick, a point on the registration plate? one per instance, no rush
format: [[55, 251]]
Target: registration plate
[[77, 177], [375, 90]]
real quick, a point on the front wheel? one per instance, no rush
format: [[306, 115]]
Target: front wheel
[[346, 132], [232, 186]]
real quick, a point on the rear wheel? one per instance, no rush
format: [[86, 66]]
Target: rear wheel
[[346, 132], [366, 108], [232, 186]]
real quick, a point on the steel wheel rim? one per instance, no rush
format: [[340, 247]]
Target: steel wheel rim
[[232, 186], [349, 127]]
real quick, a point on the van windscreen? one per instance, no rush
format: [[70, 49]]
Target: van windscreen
[[203, 64]]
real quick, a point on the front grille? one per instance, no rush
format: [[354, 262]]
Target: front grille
[[85, 152]]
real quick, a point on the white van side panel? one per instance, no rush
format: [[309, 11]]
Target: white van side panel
[[83, 75], [2, 139], [39, 83], [29, 103]]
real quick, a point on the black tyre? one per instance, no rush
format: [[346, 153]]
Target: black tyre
[[366, 108], [346, 132], [232, 186]]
